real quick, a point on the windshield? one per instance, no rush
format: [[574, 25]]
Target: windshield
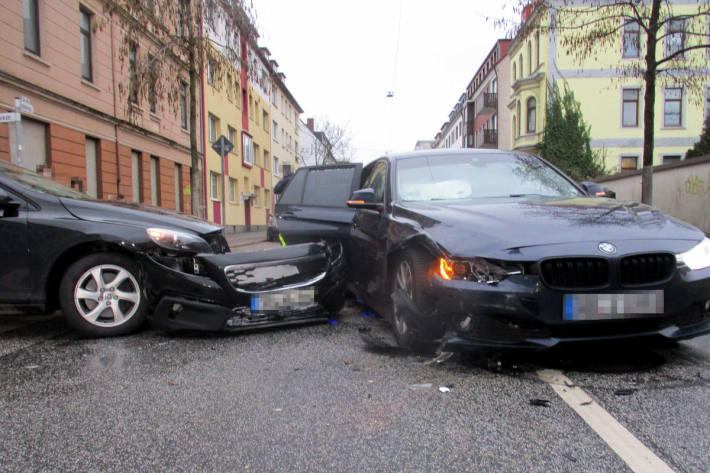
[[37, 183], [472, 176]]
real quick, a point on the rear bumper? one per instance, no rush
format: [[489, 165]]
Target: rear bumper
[[211, 302]]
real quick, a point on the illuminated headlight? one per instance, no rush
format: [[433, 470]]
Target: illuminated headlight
[[697, 257], [477, 269], [181, 242]]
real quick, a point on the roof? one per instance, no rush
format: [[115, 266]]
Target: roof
[[444, 152]]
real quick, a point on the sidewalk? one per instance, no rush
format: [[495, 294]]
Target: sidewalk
[[238, 239]]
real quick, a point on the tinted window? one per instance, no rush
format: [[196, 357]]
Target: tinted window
[[376, 180], [294, 191], [471, 176], [328, 187]]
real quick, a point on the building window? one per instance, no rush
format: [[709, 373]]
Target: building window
[[531, 115], [266, 160], [257, 152], [537, 49], [629, 163], [137, 176], [630, 107], [152, 92], [672, 106], [178, 187], [266, 198], [631, 40], [257, 191], [155, 180], [668, 159], [232, 190], [275, 131], [274, 97], [85, 35], [210, 72], [212, 128], [231, 135], [530, 69], [30, 19], [265, 120], [515, 126], [133, 73], [214, 185], [520, 66], [183, 105], [676, 37], [520, 117], [276, 166], [247, 150]]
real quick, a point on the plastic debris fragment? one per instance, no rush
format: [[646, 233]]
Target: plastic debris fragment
[[443, 356], [32, 367], [540, 402], [368, 313], [332, 322], [420, 387], [444, 389]]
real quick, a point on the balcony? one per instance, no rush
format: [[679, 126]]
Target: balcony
[[490, 103], [490, 139]]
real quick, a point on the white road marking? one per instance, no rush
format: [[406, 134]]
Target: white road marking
[[636, 455]]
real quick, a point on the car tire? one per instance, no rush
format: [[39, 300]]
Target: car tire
[[408, 280], [108, 280]]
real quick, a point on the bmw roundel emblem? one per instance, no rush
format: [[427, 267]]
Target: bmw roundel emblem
[[606, 247]]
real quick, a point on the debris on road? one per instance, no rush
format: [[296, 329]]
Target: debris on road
[[332, 322], [420, 387], [445, 389], [540, 402], [625, 392], [442, 357]]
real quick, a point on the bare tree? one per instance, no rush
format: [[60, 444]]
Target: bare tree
[[333, 142], [179, 38], [676, 47]]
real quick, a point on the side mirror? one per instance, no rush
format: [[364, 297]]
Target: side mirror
[[364, 199]]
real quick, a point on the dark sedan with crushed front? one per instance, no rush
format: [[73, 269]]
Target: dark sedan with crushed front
[[501, 249], [111, 266]]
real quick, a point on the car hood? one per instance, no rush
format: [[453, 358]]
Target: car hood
[[498, 229], [135, 215]]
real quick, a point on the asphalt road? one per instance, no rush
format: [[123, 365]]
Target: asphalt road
[[321, 398]]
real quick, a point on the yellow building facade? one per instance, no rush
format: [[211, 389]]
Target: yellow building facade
[[238, 191], [611, 103]]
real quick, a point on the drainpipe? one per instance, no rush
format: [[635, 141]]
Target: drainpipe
[[115, 111], [204, 113]]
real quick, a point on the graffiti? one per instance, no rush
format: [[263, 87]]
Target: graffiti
[[695, 185]]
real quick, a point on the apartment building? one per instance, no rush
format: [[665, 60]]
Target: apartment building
[[285, 129], [452, 132], [315, 149], [83, 132], [486, 118], [611, 103]]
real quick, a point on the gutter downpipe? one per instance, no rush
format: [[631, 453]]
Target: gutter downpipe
[[204, 114]]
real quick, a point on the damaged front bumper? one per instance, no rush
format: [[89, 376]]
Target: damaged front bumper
[[240, 291], [521, 312]]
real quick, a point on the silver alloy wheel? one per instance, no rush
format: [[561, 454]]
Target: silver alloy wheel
[[404, 282], [107, 295]]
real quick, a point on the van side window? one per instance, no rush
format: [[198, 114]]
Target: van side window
[[293, 193], [329, 187]]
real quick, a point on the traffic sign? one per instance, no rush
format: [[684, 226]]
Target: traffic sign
[[222, 146], [23, 104], [9, 117]]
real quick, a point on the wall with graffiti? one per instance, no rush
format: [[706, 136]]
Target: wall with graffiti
[[681, 189]]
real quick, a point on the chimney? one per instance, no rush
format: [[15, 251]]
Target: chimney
[[310, 124]]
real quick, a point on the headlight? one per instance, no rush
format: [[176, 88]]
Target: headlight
[[177, 241], [477, 269], [697, 257]]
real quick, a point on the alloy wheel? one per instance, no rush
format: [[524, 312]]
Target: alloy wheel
[[107, 295]]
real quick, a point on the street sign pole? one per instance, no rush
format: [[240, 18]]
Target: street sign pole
[[18, 132], [223, 146]]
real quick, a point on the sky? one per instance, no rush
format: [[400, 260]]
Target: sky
[[342, 57]]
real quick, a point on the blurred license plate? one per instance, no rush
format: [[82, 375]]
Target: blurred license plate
[[284, 300], [612, 306]]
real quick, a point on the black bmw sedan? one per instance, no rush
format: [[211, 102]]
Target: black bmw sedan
[[501, 249], [111, 266]]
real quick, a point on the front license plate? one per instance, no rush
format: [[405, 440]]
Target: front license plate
[[612, 306], [289, 299]]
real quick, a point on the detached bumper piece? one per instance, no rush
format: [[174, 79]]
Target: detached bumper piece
[[283, 286]]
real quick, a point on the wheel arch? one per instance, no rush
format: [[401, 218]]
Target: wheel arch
[[419, 242], [69, 256]]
